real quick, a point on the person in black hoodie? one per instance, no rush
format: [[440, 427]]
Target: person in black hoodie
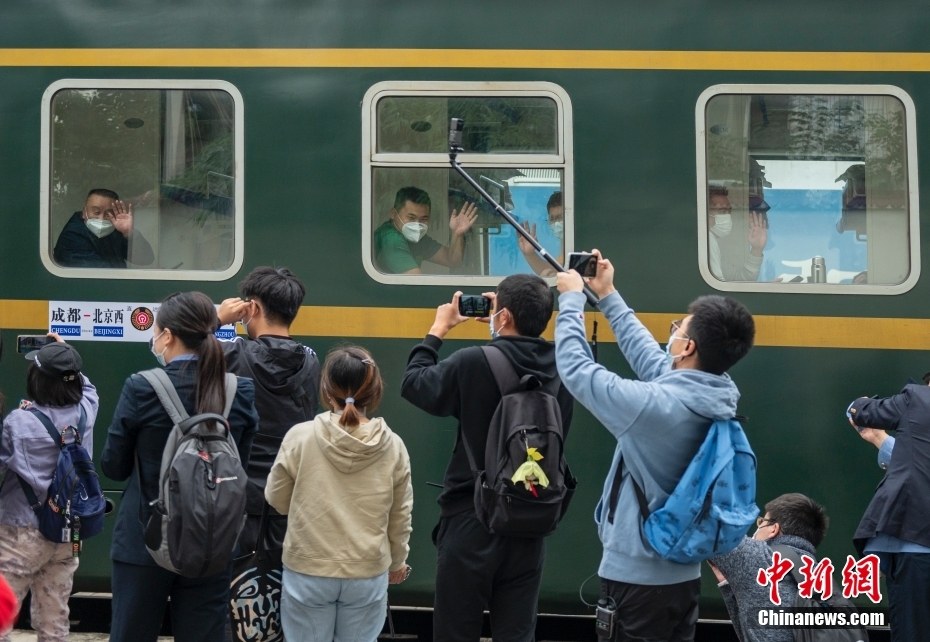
[[286, 375], [476, 569]]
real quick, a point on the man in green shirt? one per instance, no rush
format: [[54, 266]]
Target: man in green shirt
[[402, 244]]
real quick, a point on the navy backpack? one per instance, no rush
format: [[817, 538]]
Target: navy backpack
[[75, 506], [713, 505]]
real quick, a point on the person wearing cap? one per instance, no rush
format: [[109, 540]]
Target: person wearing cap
[[720, 224], [29, 561]]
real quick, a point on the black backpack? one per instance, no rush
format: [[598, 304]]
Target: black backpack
[[836, 601], [526, 486], [200, 509]]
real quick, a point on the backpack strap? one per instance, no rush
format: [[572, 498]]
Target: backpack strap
[[167, 394], [792, 555], [615, 495], [504, 374], [232, 385], [47, 423]]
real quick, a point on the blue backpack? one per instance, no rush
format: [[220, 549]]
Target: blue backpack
[[713, 505], [75, 506]]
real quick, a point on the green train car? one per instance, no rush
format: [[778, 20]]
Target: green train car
[[249, 134]]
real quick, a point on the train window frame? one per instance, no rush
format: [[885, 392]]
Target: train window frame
[[910, 140], [372, 159], [145, 274]]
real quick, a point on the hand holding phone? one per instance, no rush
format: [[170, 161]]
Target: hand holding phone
[[474, 305]]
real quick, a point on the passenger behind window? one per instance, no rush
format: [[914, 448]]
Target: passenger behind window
[[556, 211], [88, 239], [402, 243], [720, 224]]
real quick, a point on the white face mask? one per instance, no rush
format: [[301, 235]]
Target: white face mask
[[558, 228], [99, 227], [413, 232], [494, 333], [723, 225]]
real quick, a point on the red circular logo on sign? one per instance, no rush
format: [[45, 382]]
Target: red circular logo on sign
[[142, 319]]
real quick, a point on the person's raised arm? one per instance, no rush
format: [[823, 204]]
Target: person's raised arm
[[429, 384], [613, 400], [538, 265], [459, 223], [637, 344], [877, 413]]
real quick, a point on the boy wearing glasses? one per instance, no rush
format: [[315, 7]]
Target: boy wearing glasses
[[793, 520], [659, 422]]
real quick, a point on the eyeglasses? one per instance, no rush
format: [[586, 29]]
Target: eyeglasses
[[721, 210], [762, 522], [675, 327]]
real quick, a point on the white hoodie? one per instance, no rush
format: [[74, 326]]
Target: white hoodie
[[348, 497]]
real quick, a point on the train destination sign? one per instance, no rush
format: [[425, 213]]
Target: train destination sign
[[99, 321]]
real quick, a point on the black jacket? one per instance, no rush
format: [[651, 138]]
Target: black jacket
[[463, 386], [141, 425], [286, 375], [78, 247], [901, 504]]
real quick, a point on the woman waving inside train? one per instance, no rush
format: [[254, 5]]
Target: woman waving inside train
[[184, 344]]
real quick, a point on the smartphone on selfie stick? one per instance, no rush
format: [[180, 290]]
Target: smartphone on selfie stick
[[455, 148]]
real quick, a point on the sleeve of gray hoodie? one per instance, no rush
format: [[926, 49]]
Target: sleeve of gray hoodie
[[741, 567], [615, 402]]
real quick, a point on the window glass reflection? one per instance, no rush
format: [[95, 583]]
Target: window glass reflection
[[807, 189], [493, 125], [142, 179], [430, 221]]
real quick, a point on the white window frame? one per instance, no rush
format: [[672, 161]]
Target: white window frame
[[153, 274], [564, 159], [910, 139]]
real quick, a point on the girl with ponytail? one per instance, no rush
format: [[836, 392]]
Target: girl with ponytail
[[343, 480], [183, 343]]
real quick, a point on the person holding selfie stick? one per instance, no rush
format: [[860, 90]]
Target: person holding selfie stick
[[477, 569], [659, 421]]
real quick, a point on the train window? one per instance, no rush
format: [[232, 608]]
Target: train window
[[493, 125], [808, 189], [422, 222], [142, 179]]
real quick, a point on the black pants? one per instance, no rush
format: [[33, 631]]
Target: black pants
[[199, 607], [908, 581], [667, 613], [476, 569]]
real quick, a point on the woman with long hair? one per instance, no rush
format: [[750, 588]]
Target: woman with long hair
[[343, 480], [183, 343]]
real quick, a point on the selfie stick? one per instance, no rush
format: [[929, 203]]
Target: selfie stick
[[455, 148]]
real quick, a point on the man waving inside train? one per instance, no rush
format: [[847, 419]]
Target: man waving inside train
[[402, 242]]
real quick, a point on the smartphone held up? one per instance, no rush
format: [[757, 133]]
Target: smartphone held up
[[474, 305]]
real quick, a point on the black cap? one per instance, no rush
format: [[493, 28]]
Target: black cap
[[57, 359]]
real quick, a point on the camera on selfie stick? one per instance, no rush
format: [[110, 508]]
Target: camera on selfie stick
[[455, 148]]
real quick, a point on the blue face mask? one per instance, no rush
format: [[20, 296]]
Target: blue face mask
[[669, 357], [158, 357], [494, 333]]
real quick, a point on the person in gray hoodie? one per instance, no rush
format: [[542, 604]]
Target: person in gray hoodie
[[793, 520], [659, 423]]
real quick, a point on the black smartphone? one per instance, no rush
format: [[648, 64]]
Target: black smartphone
[[474, 305], [31, 342], [583, 263]]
